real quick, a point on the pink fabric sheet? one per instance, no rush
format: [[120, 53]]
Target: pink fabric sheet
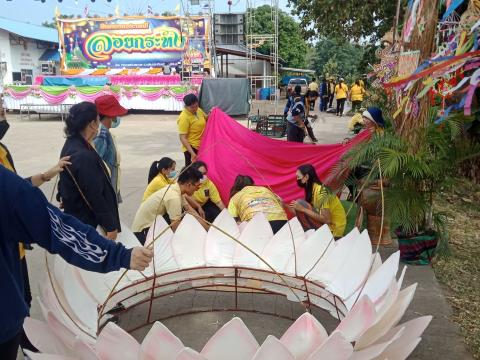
[[230, 149]]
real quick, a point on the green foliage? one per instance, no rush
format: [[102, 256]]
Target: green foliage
[[337, 57], [293, 49], [414, 174], [347, 19]]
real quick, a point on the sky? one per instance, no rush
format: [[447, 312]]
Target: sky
[[36, 12]]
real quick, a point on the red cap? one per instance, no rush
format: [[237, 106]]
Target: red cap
[[109, 106]]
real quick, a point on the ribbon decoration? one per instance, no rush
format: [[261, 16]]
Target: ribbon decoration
[[450, 9], [474, 81]]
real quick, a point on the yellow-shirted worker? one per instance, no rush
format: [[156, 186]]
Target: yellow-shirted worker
[[356, 95], [341, 91], [246, 200], [319, 206], [161, 173], [191, 124]]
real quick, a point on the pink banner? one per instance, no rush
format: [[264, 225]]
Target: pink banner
[[230, 149]]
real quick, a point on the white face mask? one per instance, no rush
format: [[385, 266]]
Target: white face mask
[[203, 179], [116, 122]]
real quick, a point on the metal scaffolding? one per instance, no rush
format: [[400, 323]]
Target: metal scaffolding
[[269, 77]]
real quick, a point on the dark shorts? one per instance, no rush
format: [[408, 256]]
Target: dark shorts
[[188, 156], [294, 133]]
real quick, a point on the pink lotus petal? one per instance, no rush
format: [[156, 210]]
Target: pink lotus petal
[[38, 356], [115, 343], [334, 348], [233, 341], [358, 320], [189, 354], [43, 338], [60, 330], [304, 336], [388, 299], [160, 343], [410, 338], [84, 351], [272, 348], [390, 319]]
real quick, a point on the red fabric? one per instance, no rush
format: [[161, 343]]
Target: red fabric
[[230, 149]]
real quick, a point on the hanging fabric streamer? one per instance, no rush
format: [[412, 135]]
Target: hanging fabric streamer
[[450, 9], [474, 80]]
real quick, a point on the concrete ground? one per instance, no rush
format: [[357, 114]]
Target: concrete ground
[[142, 138]]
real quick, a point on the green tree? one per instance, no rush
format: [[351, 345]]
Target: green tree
[[292, 47], [347, 19], [337, 57]]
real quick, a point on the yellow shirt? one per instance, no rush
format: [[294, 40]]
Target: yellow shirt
[[324, 200], [356, 119], [193, 126], [357, 92], [167, 200], [254, 199], [313, 86], [341, 91], [207, 191], [156, 184]]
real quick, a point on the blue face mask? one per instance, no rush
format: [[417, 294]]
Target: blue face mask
[[172, 174], [116, 122]]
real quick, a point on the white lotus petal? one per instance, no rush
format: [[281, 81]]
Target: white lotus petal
[[160, 343], [303, 336], [256, 235], [163, 252], [189, 354], [272, 348], [280, 249], [376, 262], [114, 343], [189, 250], [358, 320], [60, 330], [390, 319], [402, 276], [333, 348], [43, 338], [401, 348], [219, 248], [312, 251], [157, 230], [233, 341], [354, 269], [388, 299], [372, 351], [329, 265], [378, 282]]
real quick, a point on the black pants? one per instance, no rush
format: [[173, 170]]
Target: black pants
[[330, 100], [294, 133], [211, 211], [324, 103], [24, 342], [276, 225], [356, 105], [311, 135], [9, 349], [340, 106], [188, 156]]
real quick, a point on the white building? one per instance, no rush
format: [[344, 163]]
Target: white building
[[27, 51]]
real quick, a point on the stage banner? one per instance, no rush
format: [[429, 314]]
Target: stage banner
[[132, 42]]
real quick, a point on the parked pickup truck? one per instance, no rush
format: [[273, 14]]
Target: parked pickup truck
[[294, 82]]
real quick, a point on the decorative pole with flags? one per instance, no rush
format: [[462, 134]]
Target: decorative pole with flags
[[149, 10], [85, 11]]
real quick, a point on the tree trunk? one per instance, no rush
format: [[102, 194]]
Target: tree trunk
[[422, 39]]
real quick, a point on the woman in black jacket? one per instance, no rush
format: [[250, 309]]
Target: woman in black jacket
[[85, 188]]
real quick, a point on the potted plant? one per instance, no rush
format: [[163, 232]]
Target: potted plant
[[416, 175]]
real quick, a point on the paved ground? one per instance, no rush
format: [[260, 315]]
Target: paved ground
[[143, 138]]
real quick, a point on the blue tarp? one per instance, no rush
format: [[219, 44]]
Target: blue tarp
[[76, 81], [50, 55]]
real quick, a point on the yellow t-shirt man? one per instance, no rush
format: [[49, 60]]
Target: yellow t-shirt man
[[357, 92], [313, 86], [341, 91], [254, 199], [167, 200], [207, 191], [323, 200], [193, 126], [156, 184]]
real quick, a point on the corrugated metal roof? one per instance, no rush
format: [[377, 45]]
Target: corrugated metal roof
[[36, 32], [50, 55]]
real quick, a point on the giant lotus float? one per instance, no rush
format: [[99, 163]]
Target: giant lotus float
[[345, 279]]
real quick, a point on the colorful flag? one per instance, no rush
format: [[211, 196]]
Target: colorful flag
[[149, 10], [85, 11]]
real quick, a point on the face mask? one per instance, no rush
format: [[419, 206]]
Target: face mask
[[301, 184], [172, 174], [203, 179], [116, 122], [3, 128]]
